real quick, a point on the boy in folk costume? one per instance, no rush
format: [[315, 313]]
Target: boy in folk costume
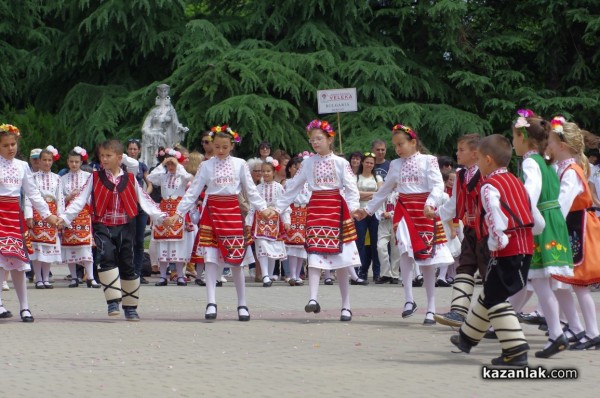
[[463, 205], [115, 195], [505, 213], [15, 175]]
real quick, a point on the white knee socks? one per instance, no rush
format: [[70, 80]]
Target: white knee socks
[[406, 271], [240, 287], [567, 306], [314, 277], [588, 310], [18, 278], [211, 272], [343, 275], [549, 304], [429, 283]]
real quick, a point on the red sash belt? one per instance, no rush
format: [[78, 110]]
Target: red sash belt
[[43, 232], [13, 233], [328, 223], [221, 226]]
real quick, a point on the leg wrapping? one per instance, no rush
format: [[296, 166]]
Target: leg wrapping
[[111, 284], [131, 292], [476, 323], [508, 329], [462, 291]]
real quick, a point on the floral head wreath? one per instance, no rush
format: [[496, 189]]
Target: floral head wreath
[[54, 152], [557, 124], [522, 122], [172, 152], [9, 128], [400, 127], [235, 137], [305, 155], [159, 153], [81, 152], [274, 162], [322, 125]]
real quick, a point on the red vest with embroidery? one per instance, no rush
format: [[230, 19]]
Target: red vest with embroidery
[[467, 197], [103, 190], [515, 204]]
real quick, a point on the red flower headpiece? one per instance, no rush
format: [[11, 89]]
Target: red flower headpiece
[[322, 125], [81, 152], [405, 129], [235, 137], [176, 154], [9, 128], [54, 152]]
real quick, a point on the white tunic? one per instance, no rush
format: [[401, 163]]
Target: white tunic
[[300, 200], [326, 173], [173, 185], [570, 186], [595, 181], [415, 174], [51, 188], [75, 254], [15, 175], [221, 177], [270, 192]]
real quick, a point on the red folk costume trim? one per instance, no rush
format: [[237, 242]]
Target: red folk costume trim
[[268, 228], [222, 227], [328, 224], [159, 232], [13, 239], [80, 231], [42, 231], [467, 197], [296, 236], [103, 190]]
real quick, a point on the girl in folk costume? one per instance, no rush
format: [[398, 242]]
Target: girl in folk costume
[[330, 232], [77, 239], [565, 146], [296, 230], [221, 241], [44, 236], [15, 175], [418, 180], [268, 233], [552, 255], [174, 244], [452, 229]]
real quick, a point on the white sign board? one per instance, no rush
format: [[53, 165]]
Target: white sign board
[[337, 100]]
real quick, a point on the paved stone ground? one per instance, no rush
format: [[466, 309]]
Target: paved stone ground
[[73, 349]]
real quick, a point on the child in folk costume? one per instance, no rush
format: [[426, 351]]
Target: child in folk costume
[[114, 195], [221, 241], [505, 211], [552, 254], [44, 236], [330, 234], [474, 252], [565, 146], [172, 244], [77, 239], [268, 233], [418, 181], [452, 232], [16, 176], [296, 230]]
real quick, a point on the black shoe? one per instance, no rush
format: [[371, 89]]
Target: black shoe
[[131, 314], [560, 344], [6, 314], [243, 318], [452, 318], [328, 281], [161, 282], [544, 328], [490, 335], [39, 285], [312, 306], [26, 318], [48, 285], [418, 281], [92, 283], [533, 319], [503, 360], [181, 282], [590, 344], [395, 281], [442, 283], [219, 284], [267, 284], [74, 283], [427, 321], [383, 279], [143, 281], [359, 281], [199, 282], [574, 337], [460, 343], [411, 311], [212, 315], [346, 318]]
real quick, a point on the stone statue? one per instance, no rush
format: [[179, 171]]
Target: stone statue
[[161, 127]]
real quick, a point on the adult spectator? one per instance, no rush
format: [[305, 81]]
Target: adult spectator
[[382, 166]]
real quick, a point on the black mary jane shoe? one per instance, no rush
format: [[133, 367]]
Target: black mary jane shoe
[[26, 318], [74, 283], [410, 311], [6, 314], [358, 281], [181, 282], [199, 282], [556, 346], [161, 282], [427, 321], [211, 315], [243, 318], [39, 285], [328, 281], [267, 284], [48, 285], [346, 318], [590, 344], [574, 337], [312, 306]]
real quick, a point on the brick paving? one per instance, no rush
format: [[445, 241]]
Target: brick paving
[[73, 349]]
